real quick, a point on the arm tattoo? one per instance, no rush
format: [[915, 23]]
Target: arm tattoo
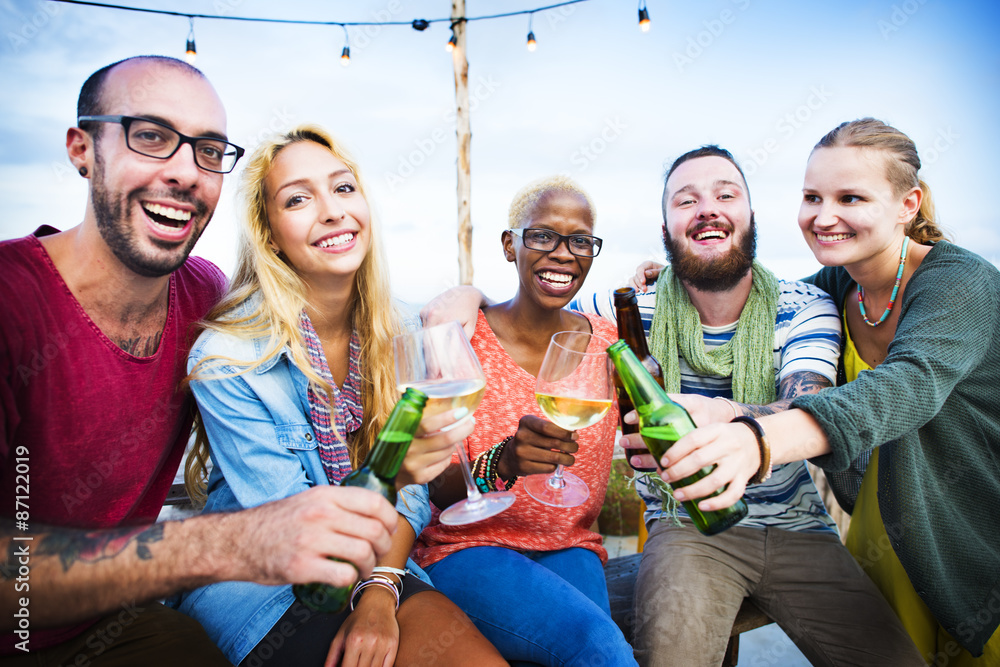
[[795, 384], [87, 547]]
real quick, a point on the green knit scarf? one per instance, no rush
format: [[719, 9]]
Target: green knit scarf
[[748, 357]]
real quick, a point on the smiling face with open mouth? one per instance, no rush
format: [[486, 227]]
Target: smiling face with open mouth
[[149, 211], [849, 211], [320, 221], [709, 233], [552, 278]]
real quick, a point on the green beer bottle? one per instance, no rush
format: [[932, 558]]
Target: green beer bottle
[[662, 423], [377, 473]]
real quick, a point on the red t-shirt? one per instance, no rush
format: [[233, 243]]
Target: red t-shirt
[[102, 431]]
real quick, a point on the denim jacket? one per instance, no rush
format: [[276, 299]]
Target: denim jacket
[[263, 448]]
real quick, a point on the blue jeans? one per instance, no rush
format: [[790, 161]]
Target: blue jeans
[[547, 608]]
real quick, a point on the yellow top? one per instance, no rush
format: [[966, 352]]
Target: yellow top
[[869, 544]]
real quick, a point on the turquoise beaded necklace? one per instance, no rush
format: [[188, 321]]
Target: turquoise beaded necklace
[[895, 290]]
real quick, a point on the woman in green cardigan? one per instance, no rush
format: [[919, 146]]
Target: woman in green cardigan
[[921, 364]]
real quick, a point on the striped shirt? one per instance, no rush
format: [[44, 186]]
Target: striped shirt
[[806, 338]]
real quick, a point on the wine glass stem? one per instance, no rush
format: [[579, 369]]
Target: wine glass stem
[[471, 490], [556, 480]]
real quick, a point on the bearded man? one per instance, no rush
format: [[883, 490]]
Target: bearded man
[[735, 341]]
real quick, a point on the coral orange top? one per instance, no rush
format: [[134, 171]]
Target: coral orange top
[[527, 525]]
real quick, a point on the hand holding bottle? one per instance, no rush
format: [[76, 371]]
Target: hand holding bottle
[[431, 451], [732, 450], [293, 539], [636, 453], [663, 423]]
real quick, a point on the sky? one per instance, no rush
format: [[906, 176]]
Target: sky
[[598, 100]]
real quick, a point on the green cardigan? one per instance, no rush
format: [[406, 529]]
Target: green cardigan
[[934, 407]]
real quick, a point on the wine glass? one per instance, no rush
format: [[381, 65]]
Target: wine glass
[[574, 389], [440, 362]]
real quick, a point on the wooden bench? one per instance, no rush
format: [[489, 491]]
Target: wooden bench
[[620, 574]]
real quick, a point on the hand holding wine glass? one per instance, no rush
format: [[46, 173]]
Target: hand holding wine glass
[[440, 362], [575, 390]]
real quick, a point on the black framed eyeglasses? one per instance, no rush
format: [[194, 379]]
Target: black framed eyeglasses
[[546, 240], [154, 139]]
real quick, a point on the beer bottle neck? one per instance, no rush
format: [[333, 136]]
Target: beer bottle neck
[[630, 326], [645, 392], [393, 441]]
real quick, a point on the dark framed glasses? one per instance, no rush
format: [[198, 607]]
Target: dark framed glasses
[[154, 139], [546, 240]]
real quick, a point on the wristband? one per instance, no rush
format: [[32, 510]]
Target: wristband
[[384, 570], [764, 471], [375, 580], [731, 404]]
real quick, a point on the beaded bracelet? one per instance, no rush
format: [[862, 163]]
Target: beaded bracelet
[[375, 580], [764, 471], [497, 451], [484, 468], [479, 472]]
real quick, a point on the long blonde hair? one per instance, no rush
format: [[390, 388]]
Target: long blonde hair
[[901, 166], [282, 298]]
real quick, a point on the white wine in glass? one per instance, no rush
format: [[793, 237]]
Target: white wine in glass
[[440, 362], [447, 395], [572, 413], [575, 390]]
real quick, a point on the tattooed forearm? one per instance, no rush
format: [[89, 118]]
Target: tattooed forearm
[[91, 547], [795, 384], [802, 383]]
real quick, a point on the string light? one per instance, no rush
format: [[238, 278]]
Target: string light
[[643, 16], [190, 52], [416, 24], [453, 42], [345, 55]]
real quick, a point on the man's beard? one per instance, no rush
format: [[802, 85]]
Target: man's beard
[[715, 275], [111, 211]]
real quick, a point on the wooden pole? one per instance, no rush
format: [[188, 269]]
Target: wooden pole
[[463, 132]]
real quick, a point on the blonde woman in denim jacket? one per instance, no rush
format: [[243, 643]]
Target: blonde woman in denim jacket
[[294, 378]]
